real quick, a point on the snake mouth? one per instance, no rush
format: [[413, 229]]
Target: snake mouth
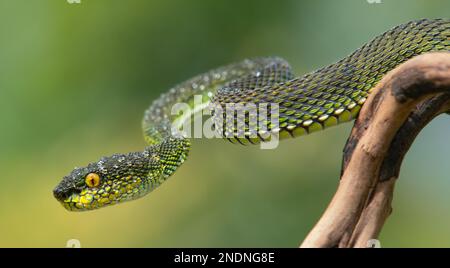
[[73, 203], [70, 206], [86, 201], [76, 200]]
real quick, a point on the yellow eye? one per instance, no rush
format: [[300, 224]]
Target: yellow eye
[[92, 180]]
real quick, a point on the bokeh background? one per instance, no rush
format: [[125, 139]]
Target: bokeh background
[[76, 78]]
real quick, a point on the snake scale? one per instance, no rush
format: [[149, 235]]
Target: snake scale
[[314, 101]]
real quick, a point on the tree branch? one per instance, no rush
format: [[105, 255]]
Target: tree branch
[[399, 107]]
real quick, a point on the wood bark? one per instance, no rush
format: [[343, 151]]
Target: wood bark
[[398, 108]]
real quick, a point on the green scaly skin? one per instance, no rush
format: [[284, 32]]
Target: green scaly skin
[[323, 98]]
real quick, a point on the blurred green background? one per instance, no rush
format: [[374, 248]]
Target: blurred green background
[[75, 80]]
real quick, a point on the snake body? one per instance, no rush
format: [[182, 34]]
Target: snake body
[[315, 101]]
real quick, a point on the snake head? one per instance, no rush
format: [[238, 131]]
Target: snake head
[[120, 177], [109, 181]]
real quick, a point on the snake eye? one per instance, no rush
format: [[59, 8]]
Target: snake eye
[[92, 180]]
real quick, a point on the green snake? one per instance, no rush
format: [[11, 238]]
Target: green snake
[[317, 100]]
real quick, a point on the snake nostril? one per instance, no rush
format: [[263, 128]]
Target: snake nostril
[[59, 193]]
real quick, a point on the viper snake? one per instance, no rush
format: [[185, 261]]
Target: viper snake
[[305, 104]]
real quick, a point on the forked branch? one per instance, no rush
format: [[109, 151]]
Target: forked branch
[[399, 107]]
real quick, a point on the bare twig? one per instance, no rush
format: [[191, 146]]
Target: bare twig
[[401, 105]]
